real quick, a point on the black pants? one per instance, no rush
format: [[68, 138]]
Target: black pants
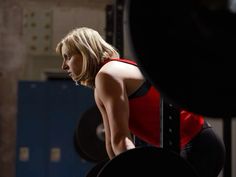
[[205, 152]]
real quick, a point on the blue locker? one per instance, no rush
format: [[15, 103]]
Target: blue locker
[[46, 120]]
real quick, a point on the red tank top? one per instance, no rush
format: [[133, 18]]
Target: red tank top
[[144, 120]]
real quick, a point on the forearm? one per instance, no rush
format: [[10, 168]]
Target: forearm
[[122, 145], [109, 150]]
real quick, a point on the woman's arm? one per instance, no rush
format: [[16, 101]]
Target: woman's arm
[[109, 149], [111, 92]]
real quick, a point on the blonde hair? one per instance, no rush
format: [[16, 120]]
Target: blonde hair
[[93, 48]]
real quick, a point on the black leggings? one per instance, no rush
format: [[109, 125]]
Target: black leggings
[[205, 152]]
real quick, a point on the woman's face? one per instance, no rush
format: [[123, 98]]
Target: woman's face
[[72, 63]]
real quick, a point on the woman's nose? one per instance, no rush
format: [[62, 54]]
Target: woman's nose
[[64, 66]]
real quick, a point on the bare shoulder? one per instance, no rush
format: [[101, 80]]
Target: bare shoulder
[[121, 70], [119, 76], [108, 84], [116, 66], [109, 74], [105, 78]]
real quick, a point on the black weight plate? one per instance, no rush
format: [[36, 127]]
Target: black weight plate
[[96, 168], [148, 161], [87, 137], [186, 48], [81, 153]]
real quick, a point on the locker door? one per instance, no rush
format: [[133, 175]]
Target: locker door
[[31, 130], [67, 102], [47, 116]]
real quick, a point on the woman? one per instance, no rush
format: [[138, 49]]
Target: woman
[[129, 104]]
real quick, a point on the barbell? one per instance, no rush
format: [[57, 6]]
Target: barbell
[[144, 161]]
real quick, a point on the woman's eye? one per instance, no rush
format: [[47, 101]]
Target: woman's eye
[[66, 57]]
